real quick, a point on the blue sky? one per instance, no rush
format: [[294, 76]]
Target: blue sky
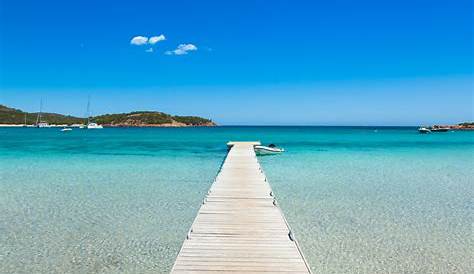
[[315, 62]]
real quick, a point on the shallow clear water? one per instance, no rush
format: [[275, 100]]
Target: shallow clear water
[[121, 200]]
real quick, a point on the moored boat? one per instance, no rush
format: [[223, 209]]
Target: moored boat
[[424, 130], [91, 125], [39, 119], [66, 129], [268, 150], [42, 125], [94, 126]]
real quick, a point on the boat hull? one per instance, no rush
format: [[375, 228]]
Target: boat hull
[[263, 150], [424, 130], [94, 126]]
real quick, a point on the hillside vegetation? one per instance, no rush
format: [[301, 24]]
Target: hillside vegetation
[[137, 118], [16, 116], [150, 118]]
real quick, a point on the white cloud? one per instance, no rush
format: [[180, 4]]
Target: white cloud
[[155, 39], [139, 40], [182, 49], [143, 40], [149, 50]]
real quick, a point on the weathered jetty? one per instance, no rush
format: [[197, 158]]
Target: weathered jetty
[[239, 227]]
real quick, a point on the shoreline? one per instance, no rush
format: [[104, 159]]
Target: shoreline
[[106, 126], [179, 125]]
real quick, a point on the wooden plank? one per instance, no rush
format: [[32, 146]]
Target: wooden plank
[[239, 228]]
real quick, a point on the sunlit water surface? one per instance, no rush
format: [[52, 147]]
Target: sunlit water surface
[[360, 200]]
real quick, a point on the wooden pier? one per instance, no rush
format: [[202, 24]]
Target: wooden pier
[[239, 227]]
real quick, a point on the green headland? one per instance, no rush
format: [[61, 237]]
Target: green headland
[[12, 116]]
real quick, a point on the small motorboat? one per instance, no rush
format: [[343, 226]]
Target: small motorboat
[[424, 130], [268, 150], [66, 129]]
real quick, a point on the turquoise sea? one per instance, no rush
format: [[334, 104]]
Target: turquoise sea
[[360, 199]]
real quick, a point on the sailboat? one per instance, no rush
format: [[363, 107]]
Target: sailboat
[[91, 125], [94, 126], [39, 122], [25, 125]]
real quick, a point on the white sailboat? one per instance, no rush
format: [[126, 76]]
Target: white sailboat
[[94, 126], [91, 125], [39, 122]]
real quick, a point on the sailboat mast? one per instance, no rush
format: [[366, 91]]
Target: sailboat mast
[[38, 118], [88, 109]]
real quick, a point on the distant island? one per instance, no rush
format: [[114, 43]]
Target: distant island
[[12, 116]]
